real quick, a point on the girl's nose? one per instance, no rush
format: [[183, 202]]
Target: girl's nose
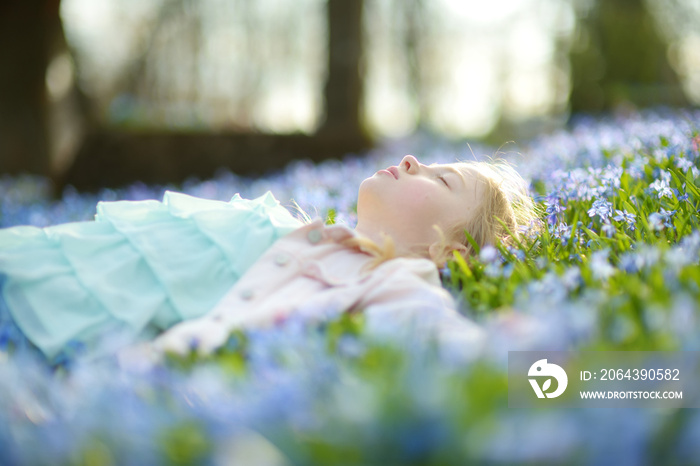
[[410, 164]]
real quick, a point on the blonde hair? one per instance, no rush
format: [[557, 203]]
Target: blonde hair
[[380, 254], [506, 211]]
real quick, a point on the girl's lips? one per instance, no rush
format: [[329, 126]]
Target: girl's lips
[[393, 171]]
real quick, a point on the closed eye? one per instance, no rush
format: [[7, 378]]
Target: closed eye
[[442, 178]]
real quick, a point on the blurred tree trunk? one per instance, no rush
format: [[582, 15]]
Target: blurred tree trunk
[[618, 58], [28, 29], [344, 87], [416, 26], [113, 157]]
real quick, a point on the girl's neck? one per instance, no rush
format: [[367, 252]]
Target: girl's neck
[[378, 236]]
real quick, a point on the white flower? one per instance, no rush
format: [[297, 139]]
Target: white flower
[[662, 188]]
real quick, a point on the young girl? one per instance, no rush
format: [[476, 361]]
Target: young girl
[[144, 266]]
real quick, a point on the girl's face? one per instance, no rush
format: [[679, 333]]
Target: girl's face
[[407, 200]]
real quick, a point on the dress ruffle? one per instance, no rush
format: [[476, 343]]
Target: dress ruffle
[[139, 264]]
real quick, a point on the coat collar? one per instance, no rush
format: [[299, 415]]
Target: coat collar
[[336, 233]]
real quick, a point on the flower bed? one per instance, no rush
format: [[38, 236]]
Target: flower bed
[[616, 268]]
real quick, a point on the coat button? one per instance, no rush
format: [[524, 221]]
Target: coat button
[[247, 294], [314, 236], [281, 259]]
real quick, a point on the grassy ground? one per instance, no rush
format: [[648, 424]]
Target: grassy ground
[[616, 268]]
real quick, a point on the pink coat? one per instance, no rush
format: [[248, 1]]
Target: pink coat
[[309, 273]]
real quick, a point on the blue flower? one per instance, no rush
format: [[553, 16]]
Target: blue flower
[[609, 229], [563, 231], [630, 262], [600, 266], [683, 163], [624, 216], [553, 208], [661, 219], [601, 208], [656, 221], [488, 254]]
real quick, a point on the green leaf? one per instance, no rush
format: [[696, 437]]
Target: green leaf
[[625, 181], [591, 234], [473, 243], [629, 207], [462, 264]]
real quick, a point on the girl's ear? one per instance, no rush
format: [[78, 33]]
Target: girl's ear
[[441, 252]]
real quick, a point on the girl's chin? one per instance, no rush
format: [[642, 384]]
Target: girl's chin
[[376, 180], [367, 183]]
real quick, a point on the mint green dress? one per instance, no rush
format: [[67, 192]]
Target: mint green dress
[[141, 265]]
